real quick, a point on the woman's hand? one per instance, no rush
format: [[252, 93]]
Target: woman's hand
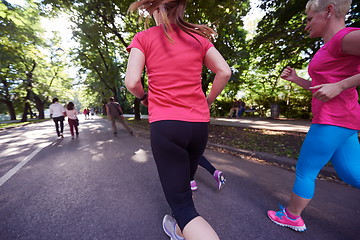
[[326, 91], [145, 102], [289, 74]]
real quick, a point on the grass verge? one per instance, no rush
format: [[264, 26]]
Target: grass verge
[[279, 143], [16, 124]]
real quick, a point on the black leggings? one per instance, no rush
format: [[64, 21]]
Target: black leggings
[[177, 147], [207, 165]]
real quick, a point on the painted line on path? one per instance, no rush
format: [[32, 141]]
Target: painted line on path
[[15, 169]]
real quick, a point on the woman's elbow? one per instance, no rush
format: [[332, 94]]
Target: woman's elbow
[[129, 83], [225, 73]]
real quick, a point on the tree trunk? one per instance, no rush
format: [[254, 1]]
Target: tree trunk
[[40, 106], [204, 81], [137, 109], [104, 109], [29, 78], [7, 98], [137, 102], [10, 108], [26, 111]]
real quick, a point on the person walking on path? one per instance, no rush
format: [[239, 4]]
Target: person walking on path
[[73, 121], [174, 52], [217, 174], [86, 112], [114, 112], [333, 134], [57, 113]]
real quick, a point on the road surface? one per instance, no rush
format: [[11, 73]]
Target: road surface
[[101, 186]]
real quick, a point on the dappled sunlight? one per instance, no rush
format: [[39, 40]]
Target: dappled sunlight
[[273, 132], [95, 128], [100, 144], [20, 140], [98, 157], [141, 156], [93, 151], [263, 124], [3, 139], [84, 147], [62, 164], [14, 150]]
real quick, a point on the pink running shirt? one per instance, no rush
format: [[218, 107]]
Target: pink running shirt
[[174, 71], [330, 65]]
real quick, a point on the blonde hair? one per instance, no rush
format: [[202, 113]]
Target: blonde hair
[[342, 7], [175, 9]]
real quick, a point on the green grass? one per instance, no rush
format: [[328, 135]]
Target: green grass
[[15, 124], [279, 143]]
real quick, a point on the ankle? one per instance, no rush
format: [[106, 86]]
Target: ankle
[[178, 232], [290, 215]]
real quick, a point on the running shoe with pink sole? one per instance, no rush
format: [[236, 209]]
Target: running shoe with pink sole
[[220, 179], [282, 219]]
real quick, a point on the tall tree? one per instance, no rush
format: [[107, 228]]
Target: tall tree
[[17, 38], [281, 40], [110, 22], [23, 67]]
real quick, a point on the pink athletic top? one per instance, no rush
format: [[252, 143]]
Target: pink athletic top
[[71, 114], [174, 71], [331, 65]]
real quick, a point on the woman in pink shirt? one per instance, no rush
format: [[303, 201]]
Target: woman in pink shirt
[[174, 53], [71, 113], [333, 135]]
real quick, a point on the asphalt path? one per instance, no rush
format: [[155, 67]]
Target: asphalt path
[[101, 186]]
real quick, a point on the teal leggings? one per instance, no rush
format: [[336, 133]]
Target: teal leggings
[[322, 144]]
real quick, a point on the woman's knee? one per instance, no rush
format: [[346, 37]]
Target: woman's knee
[[184, 214], [304, 186]]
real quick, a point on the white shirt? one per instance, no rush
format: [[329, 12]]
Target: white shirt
[[57, 110]]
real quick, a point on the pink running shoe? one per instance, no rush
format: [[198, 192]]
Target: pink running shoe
[[281, 218], [219, 177], [193, 185]]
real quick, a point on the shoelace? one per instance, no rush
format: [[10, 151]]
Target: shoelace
[[281, 212]]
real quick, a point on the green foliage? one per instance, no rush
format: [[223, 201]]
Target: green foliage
[[28, 76], [225, 17], [281, 40], [103, 30]]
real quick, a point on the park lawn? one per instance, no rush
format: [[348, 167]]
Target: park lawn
[[15, 124], [279, 143], [6, 125]]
